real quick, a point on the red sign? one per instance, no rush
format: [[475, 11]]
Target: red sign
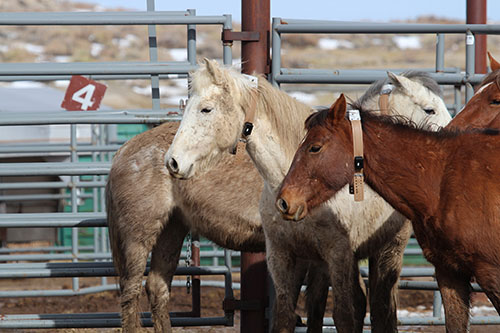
[[83, 94]]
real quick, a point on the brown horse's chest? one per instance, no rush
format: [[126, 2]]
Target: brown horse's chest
[[439, 248]]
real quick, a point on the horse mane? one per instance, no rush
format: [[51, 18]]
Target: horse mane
[[421, 77], [398, 121], [491, 77], [284, 112]]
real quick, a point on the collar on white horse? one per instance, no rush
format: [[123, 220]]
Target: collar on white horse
[[357, 137], [250, 113], [383, 100]]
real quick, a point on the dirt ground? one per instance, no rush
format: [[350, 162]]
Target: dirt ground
[[211, 302]]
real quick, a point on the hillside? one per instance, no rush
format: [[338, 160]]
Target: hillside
[[130, 43]]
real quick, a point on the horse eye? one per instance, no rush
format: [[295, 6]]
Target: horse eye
[[314, 149], [429, 111], [205, 110], [495, 102]]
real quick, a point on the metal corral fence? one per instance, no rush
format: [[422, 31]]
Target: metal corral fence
[[94, 260]]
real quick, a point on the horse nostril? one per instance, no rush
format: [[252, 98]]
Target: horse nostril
[[282, 205], [172, 163]]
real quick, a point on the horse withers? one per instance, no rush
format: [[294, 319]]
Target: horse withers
[[222, 102], [446, 183]]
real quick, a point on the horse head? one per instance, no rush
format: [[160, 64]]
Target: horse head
[[216, 98], [325, 157], [483, 109], [417, 96]]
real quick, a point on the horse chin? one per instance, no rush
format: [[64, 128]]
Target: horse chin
[[299, 214]]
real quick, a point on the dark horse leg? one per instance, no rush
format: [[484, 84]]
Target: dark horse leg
[[488, 277], [349, 299], [455, 291], [317, 281], [164, 260], [385, 267], [283, 268]]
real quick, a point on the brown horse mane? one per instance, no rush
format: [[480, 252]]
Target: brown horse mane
[[491, 77], [403, 122]]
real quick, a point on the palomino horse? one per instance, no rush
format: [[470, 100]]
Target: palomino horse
[[446, 183], [223, 103]]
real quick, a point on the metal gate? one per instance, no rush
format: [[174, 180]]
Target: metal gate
[[94, 260]]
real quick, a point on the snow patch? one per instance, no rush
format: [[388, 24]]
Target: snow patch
[[334, 44], [178, 54], [32, 48], [62, 58], [26, 84], [303, 97], [407, 42], [96, 49]]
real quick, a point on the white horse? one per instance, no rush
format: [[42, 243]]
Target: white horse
[[222, 102]]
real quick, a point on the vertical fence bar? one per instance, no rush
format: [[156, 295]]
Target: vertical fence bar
[[440, 53], [227, 48], [255, 16], [457, 99], [437, 304], [153, 57], [74, 202], [276, 52], [191, 39], [469, 63], [195, 281], [476, 14]]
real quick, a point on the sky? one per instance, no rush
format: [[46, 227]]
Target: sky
[[348, 10]]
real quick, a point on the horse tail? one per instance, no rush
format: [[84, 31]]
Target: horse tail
[[114, 235]]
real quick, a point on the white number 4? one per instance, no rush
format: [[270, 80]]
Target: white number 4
[[84, 96]]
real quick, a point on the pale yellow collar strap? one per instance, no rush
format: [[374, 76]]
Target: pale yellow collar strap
[[383, 100], [357, 138]]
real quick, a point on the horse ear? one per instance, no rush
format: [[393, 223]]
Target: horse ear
[[493, 63], [338, 109], [401, 82], [214, 70]]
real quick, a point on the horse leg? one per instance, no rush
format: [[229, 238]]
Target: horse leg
[[134, 260], [385, 268], [164, 260], [317, 282], [281, 263], [488, 277], [349, 300], [455, 291]]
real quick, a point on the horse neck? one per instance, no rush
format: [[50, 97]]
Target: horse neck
[[279, 128], [404, 166]]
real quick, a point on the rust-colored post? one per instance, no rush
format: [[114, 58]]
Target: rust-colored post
[[476, 14], [255, 16], [195, 281]]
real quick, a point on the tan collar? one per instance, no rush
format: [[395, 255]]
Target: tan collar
[[357, 138], [383, 100]]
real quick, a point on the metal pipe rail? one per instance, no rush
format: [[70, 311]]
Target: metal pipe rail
[[51, 185], [90, 68], [91, 117], [109, 18], [82, 150], [339, 27], [54, 168], [53, 220]]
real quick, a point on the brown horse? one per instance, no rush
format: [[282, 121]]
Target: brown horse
[[483, 110], [446, 183]]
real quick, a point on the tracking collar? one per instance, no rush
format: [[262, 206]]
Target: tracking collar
[[357, 138]]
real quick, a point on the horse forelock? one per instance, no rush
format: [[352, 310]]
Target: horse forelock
[[417, 76]]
